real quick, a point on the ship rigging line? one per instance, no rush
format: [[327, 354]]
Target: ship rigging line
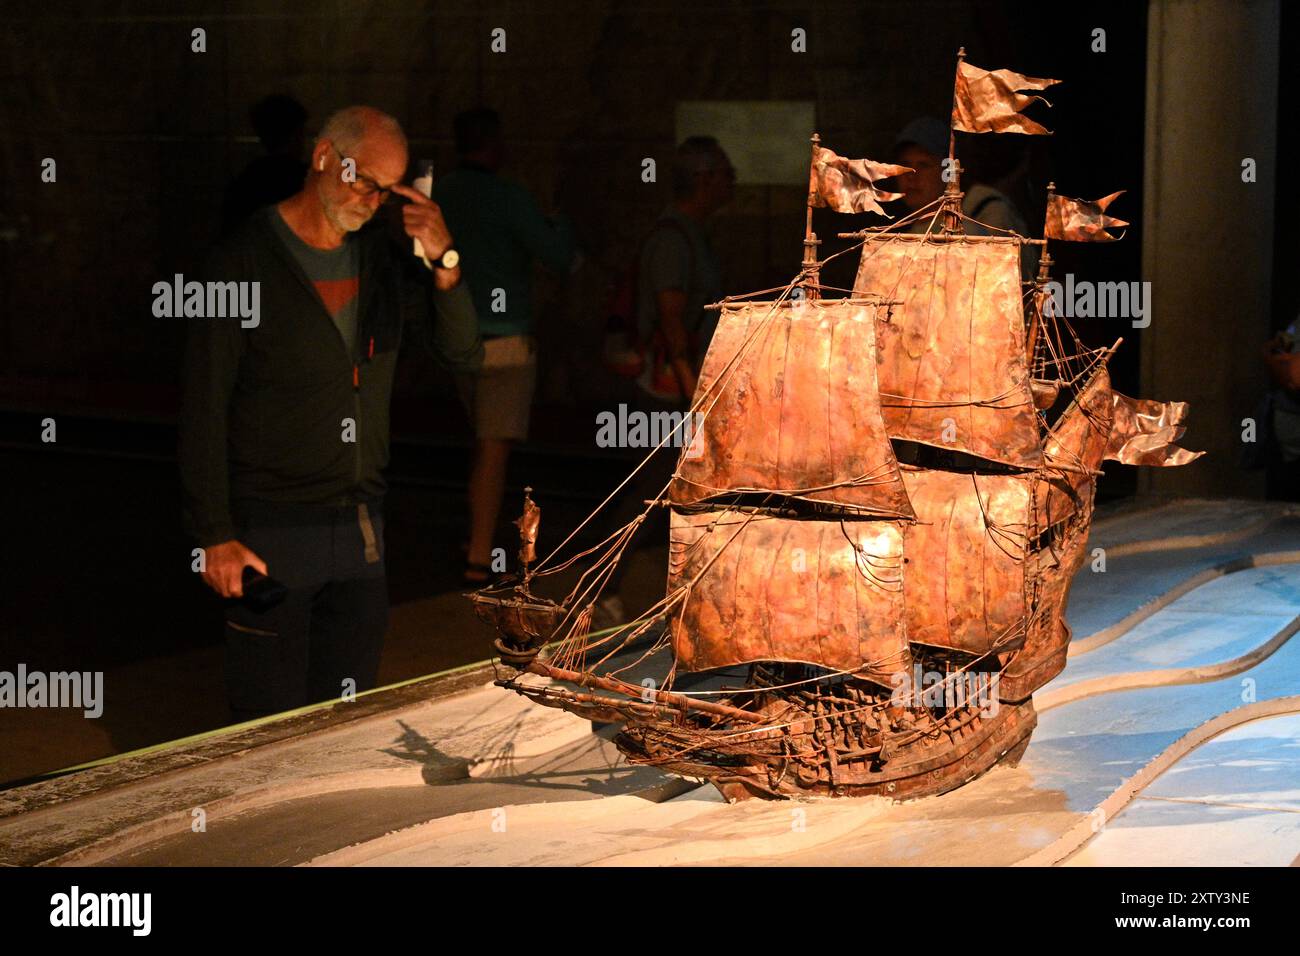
[[570, 648], [882, 474], [726, 372], [1064, 359], [637, 626], [642, 622], [985, 225], [909, 402], [574, 635], [995, 530], [862, 557], [603, 566], [893, 227], [623, 535]]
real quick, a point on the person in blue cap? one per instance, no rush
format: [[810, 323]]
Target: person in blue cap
[[923, 145]]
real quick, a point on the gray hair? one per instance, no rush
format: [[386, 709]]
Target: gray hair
[[350, 125]]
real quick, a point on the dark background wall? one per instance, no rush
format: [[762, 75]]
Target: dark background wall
[[147, 133]]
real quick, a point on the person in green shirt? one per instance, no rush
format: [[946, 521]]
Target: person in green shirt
[[500, 232]]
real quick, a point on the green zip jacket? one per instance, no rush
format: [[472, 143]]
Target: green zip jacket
[[265, 409]]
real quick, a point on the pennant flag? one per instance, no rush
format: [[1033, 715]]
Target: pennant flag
[[986, 101], [1079, 220], [1143, 432], [528, 523], [847, 185]]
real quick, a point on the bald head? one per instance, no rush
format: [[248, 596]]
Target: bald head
[[359, 153], [353, 125]]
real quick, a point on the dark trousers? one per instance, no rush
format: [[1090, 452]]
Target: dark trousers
[[330, 627]]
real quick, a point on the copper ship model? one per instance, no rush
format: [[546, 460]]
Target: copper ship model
[[879, 516]]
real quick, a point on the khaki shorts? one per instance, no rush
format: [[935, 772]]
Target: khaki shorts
[[499, 397]]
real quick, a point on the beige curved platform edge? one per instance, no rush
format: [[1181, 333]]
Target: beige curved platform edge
[[255, 798], [260, 797], [1135, 680], [1181, 542], [1107, 634], [560, 729], [617, 810], [1081, 833]]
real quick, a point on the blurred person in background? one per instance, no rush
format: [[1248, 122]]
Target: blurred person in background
[[922, 145], [280, 123], [678, 274], [500, 232]]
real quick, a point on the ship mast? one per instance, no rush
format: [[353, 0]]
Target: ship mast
[[952, 194], [1045, 263], [1040, 285], [810, 278]]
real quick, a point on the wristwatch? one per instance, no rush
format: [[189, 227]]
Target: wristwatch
[[450, 259]]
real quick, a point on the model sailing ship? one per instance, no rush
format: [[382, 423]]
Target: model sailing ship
[[879, 518]]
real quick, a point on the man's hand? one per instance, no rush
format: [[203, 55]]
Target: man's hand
[[225, 565], [422, 219]]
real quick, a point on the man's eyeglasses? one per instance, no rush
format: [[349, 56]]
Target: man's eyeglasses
[[364, 185]]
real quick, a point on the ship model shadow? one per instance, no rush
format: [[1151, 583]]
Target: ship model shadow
[[879, 515]]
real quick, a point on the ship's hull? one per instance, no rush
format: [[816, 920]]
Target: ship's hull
[[822, 761], [794, 732]]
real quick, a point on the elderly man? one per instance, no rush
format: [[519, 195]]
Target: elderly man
[[285, 423]]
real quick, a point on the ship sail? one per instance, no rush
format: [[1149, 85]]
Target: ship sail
[[794, 413], [1063, 498], [952, 366], [758, 587], [966, 559], [1073, 450]]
